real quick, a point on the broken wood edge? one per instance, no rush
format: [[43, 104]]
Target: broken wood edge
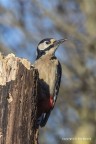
[[9, 62]]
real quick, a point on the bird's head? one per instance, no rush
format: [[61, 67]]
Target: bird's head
[[48, 46]]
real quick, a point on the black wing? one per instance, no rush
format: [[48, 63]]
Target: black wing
[[58, 81]]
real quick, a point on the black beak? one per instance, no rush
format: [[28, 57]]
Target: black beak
[[58, 42]]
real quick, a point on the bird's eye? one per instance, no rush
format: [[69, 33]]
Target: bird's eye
[[47, 42]]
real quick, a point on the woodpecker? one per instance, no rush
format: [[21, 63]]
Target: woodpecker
[[50, 72]]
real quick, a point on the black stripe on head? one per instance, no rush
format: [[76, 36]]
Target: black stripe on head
[[47, 39], [48, 48], [42, 52]]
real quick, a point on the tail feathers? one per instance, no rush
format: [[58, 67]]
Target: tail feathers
[[42, 120], [45, 119]]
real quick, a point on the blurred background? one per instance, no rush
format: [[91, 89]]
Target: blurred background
[[23, 23]]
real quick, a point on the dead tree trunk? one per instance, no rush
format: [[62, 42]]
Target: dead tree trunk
[[18, 101]]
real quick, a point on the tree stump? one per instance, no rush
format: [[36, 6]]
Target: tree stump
[[18, 101]]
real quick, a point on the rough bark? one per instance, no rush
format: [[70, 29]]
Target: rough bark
[[18, 101]]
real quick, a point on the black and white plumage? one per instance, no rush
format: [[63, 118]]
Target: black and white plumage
[[50, 72]]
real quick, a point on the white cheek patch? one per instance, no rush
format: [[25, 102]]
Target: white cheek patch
[[43, 46]]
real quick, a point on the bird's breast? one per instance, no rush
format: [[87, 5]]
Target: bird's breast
[[47, 73]]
